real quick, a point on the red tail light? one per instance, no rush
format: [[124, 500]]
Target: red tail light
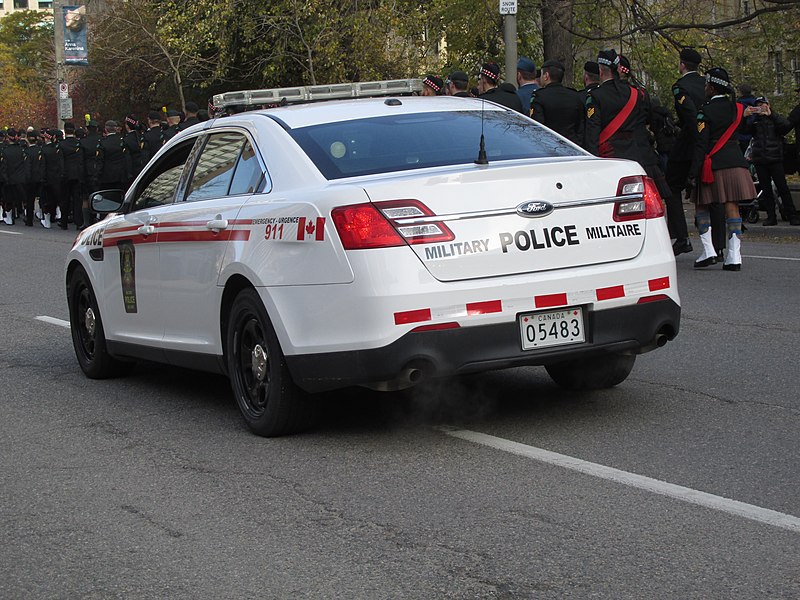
[[649, 206], [387, 224]]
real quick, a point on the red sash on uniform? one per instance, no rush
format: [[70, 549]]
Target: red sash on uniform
[[617, 122], [707, 174]]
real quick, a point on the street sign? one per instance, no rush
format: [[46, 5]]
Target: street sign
[[63, 90], [65, 108], [508, 7]]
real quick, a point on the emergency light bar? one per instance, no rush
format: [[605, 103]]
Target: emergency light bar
[[314, 93]]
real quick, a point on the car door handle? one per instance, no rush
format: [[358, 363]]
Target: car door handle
[[146, 229], [217, 224]]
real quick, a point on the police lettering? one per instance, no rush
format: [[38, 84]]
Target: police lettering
[[538, 240], [456, 249], [613, 231]]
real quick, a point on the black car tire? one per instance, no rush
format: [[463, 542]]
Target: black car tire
[[592, 373], [270, 402], [88, 335]]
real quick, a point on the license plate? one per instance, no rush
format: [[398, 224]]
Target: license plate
[[551, 328]]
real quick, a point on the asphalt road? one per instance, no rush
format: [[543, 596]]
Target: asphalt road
[[151, 487]]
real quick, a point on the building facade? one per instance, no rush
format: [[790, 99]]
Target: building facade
[[9, 6]]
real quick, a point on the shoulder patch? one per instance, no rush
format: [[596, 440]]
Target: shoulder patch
[[590, 112], [700, 126]]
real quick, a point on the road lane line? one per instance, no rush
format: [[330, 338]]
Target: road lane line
[[11, 232], [770, 257], [53, 321], [656, 486]]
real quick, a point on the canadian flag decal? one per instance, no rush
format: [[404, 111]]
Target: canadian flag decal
[[308, 228]]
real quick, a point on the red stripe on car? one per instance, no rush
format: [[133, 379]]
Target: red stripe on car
[[609, 293], [550, 300], [658, 284], [483, 308], [412, 316]]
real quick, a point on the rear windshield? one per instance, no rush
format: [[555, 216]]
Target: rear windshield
[[405, 142]]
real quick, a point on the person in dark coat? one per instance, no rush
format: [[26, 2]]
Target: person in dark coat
[[52, 166], [746, 99], [556, 106], [591, 79], [15, 172], [458, 84], [83, 217], [35, 174], [526, 80], [153, 139], [488, 88], [689, 95], [767, 129], [134, 144], [113, 160], [191, 115], [173, 125], [731, 182], [74, 155]]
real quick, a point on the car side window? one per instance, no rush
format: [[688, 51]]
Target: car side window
[[214, 171], [248, 174], [159, 184]]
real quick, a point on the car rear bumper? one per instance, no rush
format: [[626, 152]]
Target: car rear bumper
[[416, 356]]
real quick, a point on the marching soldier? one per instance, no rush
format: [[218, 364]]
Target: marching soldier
[[526, 80], [152, 139], [191, 115], [591, 79], [82, 217], [35, 174], [53, 168], [113, 160], [457, 84], [558, 107], [432, 86], [14, 171], [173, 125], [134, 144], [74, 156], [689, 93]]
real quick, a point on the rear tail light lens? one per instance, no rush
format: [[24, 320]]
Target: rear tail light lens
[[387, 224], [649, 206]]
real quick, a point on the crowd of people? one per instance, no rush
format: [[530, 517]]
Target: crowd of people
[[47, 175], [696, 153], [705, 152]]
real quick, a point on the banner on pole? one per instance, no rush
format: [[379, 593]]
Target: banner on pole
[[76, 51]]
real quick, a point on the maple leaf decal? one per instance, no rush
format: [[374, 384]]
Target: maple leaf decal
[[310, 228]]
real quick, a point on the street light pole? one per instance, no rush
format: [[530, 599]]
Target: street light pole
[[61, 69]]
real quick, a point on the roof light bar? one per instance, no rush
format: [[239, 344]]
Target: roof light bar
[[315, 93]]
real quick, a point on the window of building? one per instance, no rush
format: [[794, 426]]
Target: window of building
[[20, 3], [45, 5], [776, 60], [795, 62], [746, 8]]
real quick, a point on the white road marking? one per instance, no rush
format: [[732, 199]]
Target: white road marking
[[734, 507], [770, 257], [54, 321], [10, 232]]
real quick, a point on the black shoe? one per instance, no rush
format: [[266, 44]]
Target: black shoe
[[720, 256], [770, 222], [707, 262], [794, 220], [62, 226], [732, 267], [681, 246]]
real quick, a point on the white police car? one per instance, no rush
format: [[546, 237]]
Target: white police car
[[316, 246]]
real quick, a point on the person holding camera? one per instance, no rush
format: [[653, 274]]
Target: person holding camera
[[768, 129]]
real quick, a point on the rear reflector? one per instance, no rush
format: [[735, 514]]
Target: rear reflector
[[485, 308], [609, 293], [412, 316], [661, 283], [550, 300], [656, 298], [437, 327]]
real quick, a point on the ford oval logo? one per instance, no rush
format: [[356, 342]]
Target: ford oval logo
[[534, 208]]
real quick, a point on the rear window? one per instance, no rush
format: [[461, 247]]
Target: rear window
[[405, 142]]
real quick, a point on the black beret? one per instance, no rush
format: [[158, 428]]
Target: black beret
[[69, 126], [433, 82], [192, 107], [591, 67], [719, 77], [691, 56], [459, 76], [154, 115], [609, 58], [92, 123], [553, 63], [173, 113], [490, 71], [526, 64]]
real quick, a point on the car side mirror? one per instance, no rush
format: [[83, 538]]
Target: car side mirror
[[107, 201]]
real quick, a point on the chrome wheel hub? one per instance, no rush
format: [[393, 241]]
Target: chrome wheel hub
[[259, 362], [91, 322]]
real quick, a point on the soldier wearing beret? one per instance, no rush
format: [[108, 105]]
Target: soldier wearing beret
[[558, 107], [689, 94], [35, 175], [591, 78], [14, 171], [457, 84], [53, 180], [488, 88], [152, 139], [173, 125], [191, 115], [719, 174], [82, 216], [432, 86], [526, 80], [74, 156], [113, 160]]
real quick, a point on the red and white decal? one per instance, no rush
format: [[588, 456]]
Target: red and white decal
[[309, 229]]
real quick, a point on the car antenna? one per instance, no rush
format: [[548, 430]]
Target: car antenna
[[482, 160]]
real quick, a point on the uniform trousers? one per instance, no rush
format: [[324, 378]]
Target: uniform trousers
[[766, 175]]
